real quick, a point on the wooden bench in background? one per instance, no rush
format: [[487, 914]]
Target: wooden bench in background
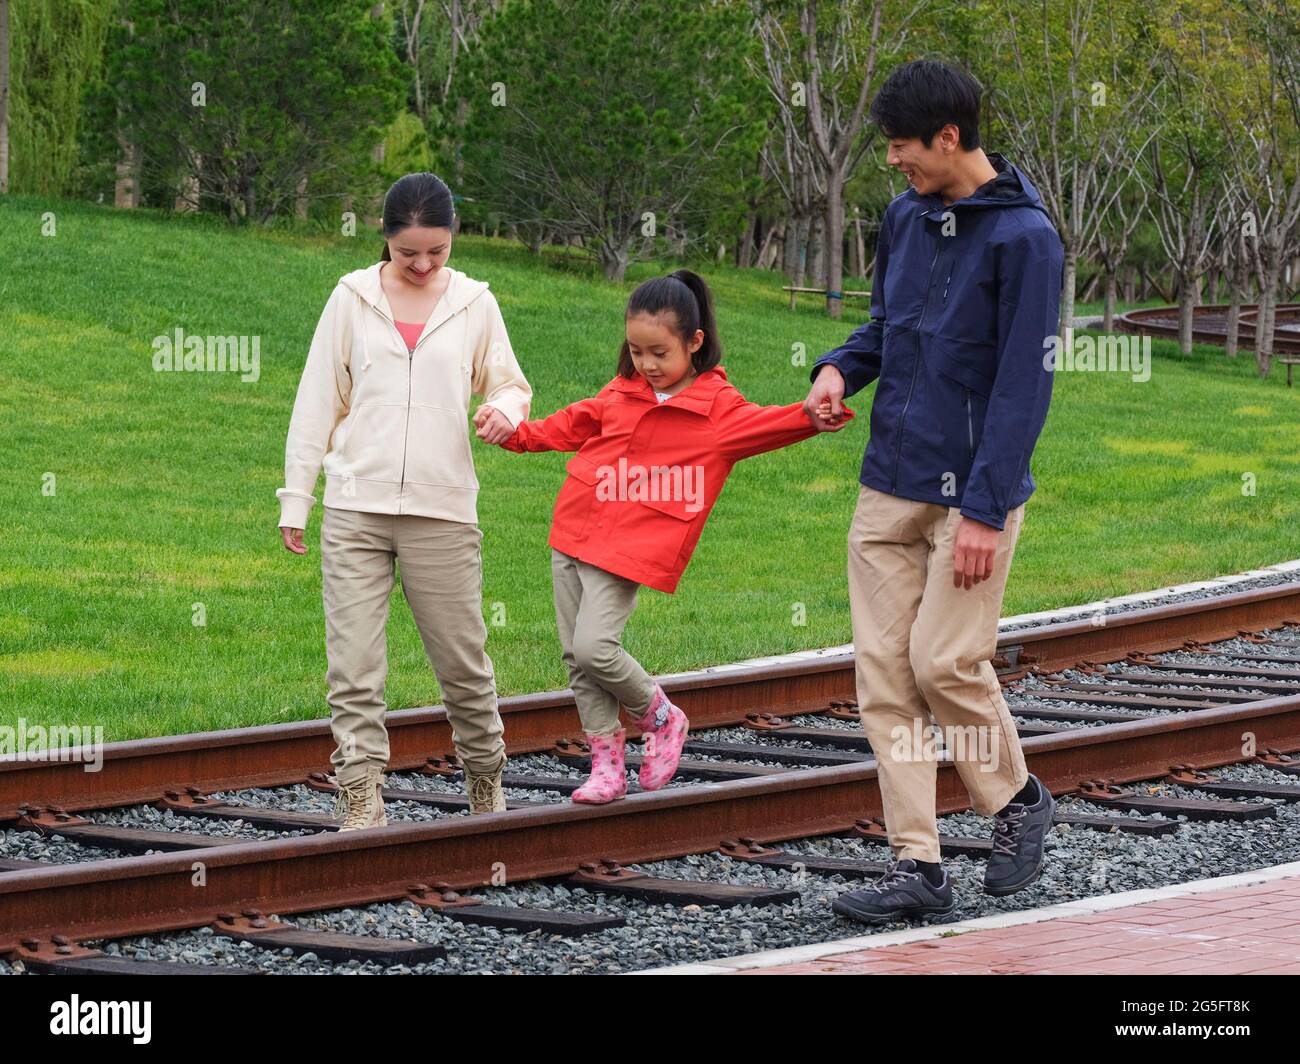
[[1289, 363], [794, 291]]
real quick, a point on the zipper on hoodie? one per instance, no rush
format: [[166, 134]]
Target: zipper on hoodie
[[916, 365], [410, 362]]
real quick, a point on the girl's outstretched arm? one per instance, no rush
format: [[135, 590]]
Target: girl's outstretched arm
[[565, 430], [746, 429]]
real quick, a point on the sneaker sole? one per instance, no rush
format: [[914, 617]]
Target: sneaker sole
[[893, 918]]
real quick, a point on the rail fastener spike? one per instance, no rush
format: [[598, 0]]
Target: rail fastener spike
[[1102, 790], [871, 828], [1186, 775], [1277, 759], [766, 722], [745, 849], [440, 766]]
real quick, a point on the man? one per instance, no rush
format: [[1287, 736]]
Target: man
[[965, 297]]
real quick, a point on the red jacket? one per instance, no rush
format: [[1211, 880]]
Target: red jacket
[[647, 473]]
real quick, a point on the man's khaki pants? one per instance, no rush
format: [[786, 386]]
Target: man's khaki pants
[[922, 650], [441, 574]]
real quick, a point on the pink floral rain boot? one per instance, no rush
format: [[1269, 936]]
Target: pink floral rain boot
[[608, 779], [663, 731]]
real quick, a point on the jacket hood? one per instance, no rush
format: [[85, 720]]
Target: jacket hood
[[1011, 188], [461, 292]]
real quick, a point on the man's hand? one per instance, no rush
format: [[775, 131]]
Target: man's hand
[[492, 425], [824, 405], [292, 539], [972, 552]]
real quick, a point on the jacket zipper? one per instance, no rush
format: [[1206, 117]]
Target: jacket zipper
[[410, 362], [916, 365], [970, 427]]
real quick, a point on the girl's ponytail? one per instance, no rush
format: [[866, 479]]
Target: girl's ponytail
[[685, 295], [710, 352]]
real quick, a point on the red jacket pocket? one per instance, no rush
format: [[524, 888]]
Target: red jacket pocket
[[583, 469]]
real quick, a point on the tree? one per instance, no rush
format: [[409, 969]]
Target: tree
[[821, 78], [255, 106], [836, 131], [1230, 111], [1114, 237], [53, 50], [1274, 136], [4, 96], [1071, 101], [605, 138]]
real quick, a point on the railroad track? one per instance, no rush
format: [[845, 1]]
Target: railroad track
[[1160, 696], [1210, 325]]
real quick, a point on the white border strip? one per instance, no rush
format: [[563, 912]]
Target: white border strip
[[1060, 614], [1082, 907]]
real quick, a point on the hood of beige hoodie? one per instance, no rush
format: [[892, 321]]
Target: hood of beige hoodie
[[461, 292]]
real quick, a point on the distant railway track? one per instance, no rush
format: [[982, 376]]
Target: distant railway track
[[794, 766], [1210, 325]]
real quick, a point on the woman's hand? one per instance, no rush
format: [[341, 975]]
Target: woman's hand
[[292, 539], [492, 426]]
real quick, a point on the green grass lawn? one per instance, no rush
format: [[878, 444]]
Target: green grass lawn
[[165, 483]]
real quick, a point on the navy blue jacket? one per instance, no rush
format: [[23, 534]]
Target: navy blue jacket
[[963, 300]]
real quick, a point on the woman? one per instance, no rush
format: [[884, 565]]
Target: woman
[[383, 405]]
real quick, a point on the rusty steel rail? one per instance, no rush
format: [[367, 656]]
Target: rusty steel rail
[[1151, 630], [143, 770], [165, 892]]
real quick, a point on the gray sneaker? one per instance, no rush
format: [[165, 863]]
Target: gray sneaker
[[1019, 837], [900, 893]]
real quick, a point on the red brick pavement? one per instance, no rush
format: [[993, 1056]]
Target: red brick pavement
[[1241, 930]]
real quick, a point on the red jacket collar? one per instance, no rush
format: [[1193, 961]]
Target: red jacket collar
[[697, 396]]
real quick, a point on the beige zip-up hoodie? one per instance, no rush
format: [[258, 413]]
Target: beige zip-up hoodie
[[391, 427]]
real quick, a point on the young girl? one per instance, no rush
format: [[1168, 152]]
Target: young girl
[[654, 447], [383, 405]]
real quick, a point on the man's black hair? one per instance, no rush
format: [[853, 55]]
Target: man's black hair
[[921, 97]]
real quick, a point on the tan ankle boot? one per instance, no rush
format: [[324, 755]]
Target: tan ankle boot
[[359, 803], [485, 794]]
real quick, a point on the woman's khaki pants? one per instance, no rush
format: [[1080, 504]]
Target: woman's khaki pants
[[922, 651], [441, 574]]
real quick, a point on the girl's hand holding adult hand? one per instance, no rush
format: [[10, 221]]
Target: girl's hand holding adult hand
[[825, 403], [292, 539], [828, 422], [492, 426]]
